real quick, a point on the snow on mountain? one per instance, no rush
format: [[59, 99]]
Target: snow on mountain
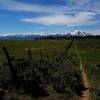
[[37, 35], [79, 33]]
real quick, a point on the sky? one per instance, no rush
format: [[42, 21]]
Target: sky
[[51, 16]]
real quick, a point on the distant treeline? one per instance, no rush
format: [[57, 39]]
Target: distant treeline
[[68, 37]]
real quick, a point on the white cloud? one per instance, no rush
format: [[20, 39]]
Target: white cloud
[[83, 5], [74, 12], [70, 5], [80, 18], [24, 7]]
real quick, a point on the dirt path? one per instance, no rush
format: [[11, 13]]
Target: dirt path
[[85, 93]]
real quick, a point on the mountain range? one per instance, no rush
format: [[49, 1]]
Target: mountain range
[[32, 36], [79, 33]]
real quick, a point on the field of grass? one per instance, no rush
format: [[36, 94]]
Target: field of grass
[[89, 50], [19, 48]]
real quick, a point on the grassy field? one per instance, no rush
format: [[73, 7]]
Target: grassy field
[[18, 48], [89, 50]]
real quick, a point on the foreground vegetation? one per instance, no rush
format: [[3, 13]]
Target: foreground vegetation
[[45, 65]]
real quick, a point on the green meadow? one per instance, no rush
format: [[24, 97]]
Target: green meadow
[[18, 48]]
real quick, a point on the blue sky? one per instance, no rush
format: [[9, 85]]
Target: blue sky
[[58, 16]]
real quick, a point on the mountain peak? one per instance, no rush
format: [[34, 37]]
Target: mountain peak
[[79, 33]]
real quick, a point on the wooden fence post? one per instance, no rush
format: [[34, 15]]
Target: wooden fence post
[[30, 54], [55, 55], [13, 73], [46, 55], [41, 54]]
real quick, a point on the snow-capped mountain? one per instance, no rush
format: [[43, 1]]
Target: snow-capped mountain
[[19, 36], [79, 33], [34, 36]]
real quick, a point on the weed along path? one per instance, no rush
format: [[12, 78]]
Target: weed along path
[[85, 93]]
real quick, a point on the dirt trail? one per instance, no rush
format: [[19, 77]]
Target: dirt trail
[[85, 93]]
